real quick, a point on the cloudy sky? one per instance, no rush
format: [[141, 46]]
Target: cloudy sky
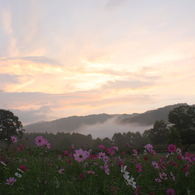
[[62, 58]]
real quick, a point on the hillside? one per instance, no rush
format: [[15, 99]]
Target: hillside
[[72, 123]]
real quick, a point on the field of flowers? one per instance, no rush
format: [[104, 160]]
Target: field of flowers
[[99, 171]]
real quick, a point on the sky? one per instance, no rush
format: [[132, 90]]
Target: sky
[[63, 58]]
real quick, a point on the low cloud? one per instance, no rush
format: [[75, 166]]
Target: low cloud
[[109, 128]]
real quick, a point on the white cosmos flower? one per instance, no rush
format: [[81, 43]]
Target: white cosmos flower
[[129, 181], [123, 169], [18, 175]]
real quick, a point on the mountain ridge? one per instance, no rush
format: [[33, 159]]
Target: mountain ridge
[[73, 123]]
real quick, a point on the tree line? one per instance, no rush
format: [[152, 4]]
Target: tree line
[[180, 130]]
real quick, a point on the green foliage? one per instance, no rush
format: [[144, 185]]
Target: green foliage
[[182, 117], [158, 134], [43, 175], [9, 126], [174, 137]]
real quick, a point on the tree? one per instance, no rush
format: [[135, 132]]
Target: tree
[[182, 117], [9, 126], [158, 134], [174, 137], [188, 137]]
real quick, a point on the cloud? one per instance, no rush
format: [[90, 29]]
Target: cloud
[[42, 60], [32, 115], [7, 78], [127, 84], [114, 3], [108, 128]]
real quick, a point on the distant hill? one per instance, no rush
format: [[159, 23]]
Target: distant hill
[[149, 117], [72, 123]]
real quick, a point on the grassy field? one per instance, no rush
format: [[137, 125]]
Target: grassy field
[[85, 171]]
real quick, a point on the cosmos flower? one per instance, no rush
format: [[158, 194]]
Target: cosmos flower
[[10, 181], [18, 175], [3, 163], [90, 172], [163, 176], [148, 147], [129, 180], [155, 165], [47, 144], [39, 141], [101, 147], [14, 139], [170, 191], [61, 171], [23, 167], [139, 168], [80, 155], [172, 148], [101, 155]]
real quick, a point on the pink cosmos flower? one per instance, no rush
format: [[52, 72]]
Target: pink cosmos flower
[[65, 153], [120, 163], [61, 171], [146, 158], [137, 190], [135, 152], [47, 144], [101, 155], [106, 169], [174, 164], [148, 147], [158, 180], [90, 172], [172, 148], [155, 165], [80, 155], [39, 141], [178, 150], [14, 139], [85, 164], [172, 176], [105, 158], [81, 176], [101, 147], [152, 152], [179, 157], [10, 181], [114, 148], [23, 167], [163, 176], [69, 160], [72, 147], [139, 168], [21, 147], [145, 152], [170, 191]]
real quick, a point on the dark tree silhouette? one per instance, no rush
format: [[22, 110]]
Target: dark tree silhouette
[[182, 119], [9, 126], [158, 134]]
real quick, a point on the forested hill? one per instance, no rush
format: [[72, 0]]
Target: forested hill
[[149, 117], [72, 123]]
